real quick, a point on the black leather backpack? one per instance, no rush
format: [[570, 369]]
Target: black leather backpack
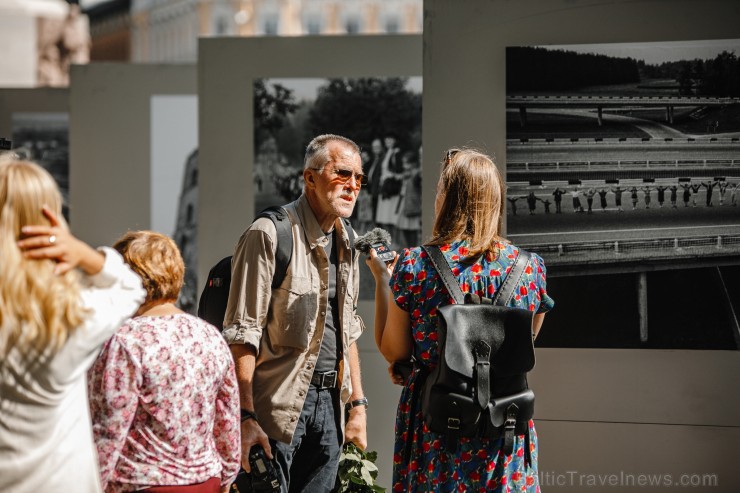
[[479, 387]]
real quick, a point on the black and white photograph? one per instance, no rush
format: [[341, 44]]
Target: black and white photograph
[[44, 139], [381, 114], [174, 179], [626, 158]]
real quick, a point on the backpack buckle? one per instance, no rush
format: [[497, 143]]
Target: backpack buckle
[[453, 423]]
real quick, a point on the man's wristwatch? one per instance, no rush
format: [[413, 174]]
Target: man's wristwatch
[[358, 402], [248, 415]]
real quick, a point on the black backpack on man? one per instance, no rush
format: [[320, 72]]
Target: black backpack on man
[[215, 295]]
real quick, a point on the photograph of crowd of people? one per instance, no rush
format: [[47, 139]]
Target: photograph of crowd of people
[[44, 139], [381, 114], [626, 158]]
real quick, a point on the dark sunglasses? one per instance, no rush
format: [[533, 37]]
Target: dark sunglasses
[[346, 174]]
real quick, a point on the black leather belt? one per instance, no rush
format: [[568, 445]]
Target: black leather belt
[[325, 380]]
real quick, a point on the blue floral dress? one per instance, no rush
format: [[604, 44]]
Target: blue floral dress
[[479, 465]]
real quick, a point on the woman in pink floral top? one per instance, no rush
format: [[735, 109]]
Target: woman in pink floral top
[[163, 392]]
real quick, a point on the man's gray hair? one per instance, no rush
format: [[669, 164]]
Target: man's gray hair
[[316, 149]]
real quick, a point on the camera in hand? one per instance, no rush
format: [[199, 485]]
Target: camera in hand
[[262, 479], [379, 240]]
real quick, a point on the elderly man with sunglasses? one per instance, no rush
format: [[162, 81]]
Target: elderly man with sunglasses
[[295, 346]]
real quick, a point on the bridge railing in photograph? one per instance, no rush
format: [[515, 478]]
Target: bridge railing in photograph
[[599, 252], [622, 164]]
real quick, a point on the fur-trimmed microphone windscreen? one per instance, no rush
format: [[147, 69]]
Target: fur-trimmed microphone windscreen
[[374, 236]]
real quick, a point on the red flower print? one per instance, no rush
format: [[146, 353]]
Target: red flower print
[[532, 286], [455, 257], [455, 476], [466, 456], [429, 294], [419, 336], [425, 355], [421, 275], [520, 452], [445, 248], [430, 467], [416, 313], [397, 458], [433, 336], [530, 480], [398, 487], [476, 268], [456, 271], [482, 454], [503, 480], [531, 307], [528, 270], [414, 465], [475, 476], [492, 483], [463, 251], [401, 300], [461, 488], [408, 277], [522, 290], [490, 290], [516, 476], [495, 273], [436, 444], [490, 466], [465, 287]]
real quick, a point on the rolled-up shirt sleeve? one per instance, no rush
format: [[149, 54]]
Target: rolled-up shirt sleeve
[[252, 269]]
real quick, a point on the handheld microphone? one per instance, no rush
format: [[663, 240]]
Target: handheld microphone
[[379, 240]]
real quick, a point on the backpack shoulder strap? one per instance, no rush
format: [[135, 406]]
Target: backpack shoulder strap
[[279, 217], [445, 273], [506, 290]]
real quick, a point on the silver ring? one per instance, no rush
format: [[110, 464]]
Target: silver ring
[[52, 239]]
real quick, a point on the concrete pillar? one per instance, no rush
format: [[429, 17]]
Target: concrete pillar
[[642, 305], [523, 116]]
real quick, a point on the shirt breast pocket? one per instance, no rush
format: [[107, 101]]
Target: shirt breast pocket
[[294, 311]]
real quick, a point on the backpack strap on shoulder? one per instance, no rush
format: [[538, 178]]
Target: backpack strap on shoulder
[[506, 290], [279, 217], [445, 273]]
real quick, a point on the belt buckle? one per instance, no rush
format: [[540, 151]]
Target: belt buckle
[[327, 375], [327, 380]]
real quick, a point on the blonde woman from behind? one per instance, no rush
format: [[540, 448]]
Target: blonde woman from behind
[[59, 302]]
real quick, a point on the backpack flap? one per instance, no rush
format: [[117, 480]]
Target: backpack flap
[[508, 332]]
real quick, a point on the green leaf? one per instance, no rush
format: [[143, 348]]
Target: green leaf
[[366, 476], [369, 465]]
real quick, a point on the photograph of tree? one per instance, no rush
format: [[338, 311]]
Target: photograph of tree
[[381, 114], [625, 158]]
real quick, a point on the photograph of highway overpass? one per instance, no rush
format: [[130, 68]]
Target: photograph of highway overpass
[[625, 158], [648, 153]]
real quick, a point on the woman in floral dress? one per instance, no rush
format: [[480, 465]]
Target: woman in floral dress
[[467, 227], [163, 392]]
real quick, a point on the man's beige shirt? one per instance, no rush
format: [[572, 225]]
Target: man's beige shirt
[[285, 325]]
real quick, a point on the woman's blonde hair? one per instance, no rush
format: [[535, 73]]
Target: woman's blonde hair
[[471, 196], [157, 260], [38, 309]]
